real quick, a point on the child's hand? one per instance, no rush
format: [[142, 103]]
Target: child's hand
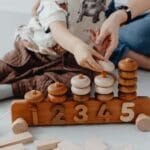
[[34, 12], [35, 7], [86, 57]]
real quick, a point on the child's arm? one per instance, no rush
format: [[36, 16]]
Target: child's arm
[[83, 53], [35, 7]]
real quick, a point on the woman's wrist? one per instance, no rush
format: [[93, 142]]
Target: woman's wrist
[[120, 17]]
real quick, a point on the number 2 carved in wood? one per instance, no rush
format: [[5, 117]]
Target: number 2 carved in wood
[[58, 114]]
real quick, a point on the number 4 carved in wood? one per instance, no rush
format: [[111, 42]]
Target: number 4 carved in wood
[[104, 113]]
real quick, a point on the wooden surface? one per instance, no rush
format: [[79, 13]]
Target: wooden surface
[[71, 112]]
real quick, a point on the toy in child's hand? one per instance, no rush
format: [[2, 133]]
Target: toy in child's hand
[[91, 8]]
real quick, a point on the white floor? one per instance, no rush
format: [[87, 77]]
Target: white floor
[[114, 135]]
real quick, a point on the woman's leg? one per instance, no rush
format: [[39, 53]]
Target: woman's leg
[[134, 42]]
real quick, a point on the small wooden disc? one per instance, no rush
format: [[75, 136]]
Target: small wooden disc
[[19, 126], [127, 82], [81, 98], [34, 96], [81, 92], [143, 122], [127, 89], [105, 98], [80, 81], [128, 64], [127, 96], [103, 91], [128, 75], [57, 89], [57, 99]]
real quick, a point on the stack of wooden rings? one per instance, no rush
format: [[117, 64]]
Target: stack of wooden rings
[[57, 92], [80, 87], [104, 82], [104, 87], [127, 79]]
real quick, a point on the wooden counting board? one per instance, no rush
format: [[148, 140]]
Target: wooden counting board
[[71, 112], [80, 108]]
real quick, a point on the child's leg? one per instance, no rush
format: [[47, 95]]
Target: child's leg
[[40, 82], [6, 91], [143, 61]]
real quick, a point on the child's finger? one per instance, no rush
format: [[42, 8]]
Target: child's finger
[[97, 67]]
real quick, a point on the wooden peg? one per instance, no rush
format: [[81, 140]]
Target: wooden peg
[[19, 126]]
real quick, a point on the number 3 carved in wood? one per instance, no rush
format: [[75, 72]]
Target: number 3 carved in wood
[[128, 112], [82, 113]]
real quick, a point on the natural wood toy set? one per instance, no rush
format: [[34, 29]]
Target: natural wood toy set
[[58, 109]]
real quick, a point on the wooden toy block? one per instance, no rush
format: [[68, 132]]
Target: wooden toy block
[[88, 112], [24, 138], [14, 147], [46, 144], [19, 126], [143, 122]]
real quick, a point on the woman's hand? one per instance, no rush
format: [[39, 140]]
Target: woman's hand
[[109, 32], [86, 57], [35, 7]]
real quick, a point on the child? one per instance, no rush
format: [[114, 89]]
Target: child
[[26, 68]]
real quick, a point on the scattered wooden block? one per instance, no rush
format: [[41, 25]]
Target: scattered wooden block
[[68, 145], [24, 138], [46, 144], [19, 126], [143, 122], [14, 147], [95, 144]]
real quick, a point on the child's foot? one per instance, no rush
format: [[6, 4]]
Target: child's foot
[[143, 122], [6, 91]]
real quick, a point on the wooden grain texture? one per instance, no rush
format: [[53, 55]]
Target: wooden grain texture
[[88, 112]]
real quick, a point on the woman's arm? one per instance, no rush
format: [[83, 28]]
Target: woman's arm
[[110, 27], [84, 54], [35, 7]]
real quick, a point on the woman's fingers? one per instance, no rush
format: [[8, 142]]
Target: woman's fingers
[[112, 46], [98, 55], [102, 36], [96, 67]]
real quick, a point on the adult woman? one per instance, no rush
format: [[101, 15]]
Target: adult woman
[[133, 38]]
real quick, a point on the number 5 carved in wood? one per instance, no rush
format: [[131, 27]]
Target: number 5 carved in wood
[[82, 113], [127, 111]]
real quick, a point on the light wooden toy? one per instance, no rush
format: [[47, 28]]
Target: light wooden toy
[[58, 109], [19, 126], [24, 138]]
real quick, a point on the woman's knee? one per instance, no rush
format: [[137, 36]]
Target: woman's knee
[[136, 36]]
